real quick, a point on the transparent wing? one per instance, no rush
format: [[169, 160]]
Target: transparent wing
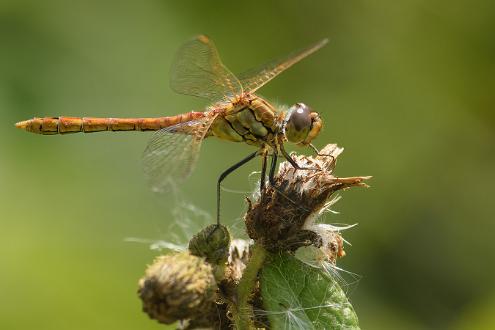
[[172, 152], [253, 79], [197, 70]]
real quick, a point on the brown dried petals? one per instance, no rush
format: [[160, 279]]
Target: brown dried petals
[[282, 219]]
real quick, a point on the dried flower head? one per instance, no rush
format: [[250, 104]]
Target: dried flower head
[[282, 219]]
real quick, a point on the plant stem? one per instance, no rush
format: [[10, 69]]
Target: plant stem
[[244, 313]]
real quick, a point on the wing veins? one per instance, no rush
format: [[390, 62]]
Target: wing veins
[[255, 78]]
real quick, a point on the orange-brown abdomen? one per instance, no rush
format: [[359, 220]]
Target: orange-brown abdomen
[[63, 125]]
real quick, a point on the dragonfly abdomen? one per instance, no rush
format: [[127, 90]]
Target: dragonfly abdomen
[[64, 125]]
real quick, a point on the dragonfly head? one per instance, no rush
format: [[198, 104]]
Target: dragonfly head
[[302, 124]]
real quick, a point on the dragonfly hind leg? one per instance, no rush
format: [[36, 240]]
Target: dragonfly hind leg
[[225, 174]]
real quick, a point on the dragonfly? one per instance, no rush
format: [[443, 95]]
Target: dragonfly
[[236, 113]]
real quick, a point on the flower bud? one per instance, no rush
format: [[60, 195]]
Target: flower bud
[[212, 243]]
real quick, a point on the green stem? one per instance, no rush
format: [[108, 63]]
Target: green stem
[[244, 313]]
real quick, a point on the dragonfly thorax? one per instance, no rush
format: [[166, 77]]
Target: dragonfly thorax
[[250, 119], [301, 124]]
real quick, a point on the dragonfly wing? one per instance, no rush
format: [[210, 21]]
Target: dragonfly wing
[[172, 152], [254, 79], [197, 70]]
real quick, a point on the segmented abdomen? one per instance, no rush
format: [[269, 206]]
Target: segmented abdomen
[[63, 125]]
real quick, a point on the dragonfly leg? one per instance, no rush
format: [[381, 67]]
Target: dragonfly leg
[[263, 175], [292, 161], [273, 166], [318, 152], [311, 145], [271, 178], [263, 172], [225, 174]]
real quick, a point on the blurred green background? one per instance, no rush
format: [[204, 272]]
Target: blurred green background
[[407, 87]]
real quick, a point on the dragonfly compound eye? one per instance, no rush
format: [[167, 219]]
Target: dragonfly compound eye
[[299, 123]]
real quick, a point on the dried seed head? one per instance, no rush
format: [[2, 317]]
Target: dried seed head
[[177, 287], [282, 218]]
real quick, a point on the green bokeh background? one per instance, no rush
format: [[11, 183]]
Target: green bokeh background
[[407, 87]]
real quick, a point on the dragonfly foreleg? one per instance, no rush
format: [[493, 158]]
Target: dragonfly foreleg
[[319, 154], [311, 145], [225, 174], [292, 161]]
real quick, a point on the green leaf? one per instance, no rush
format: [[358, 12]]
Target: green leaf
[[298, 296]]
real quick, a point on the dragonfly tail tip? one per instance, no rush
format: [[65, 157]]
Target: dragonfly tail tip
[[22, 124]]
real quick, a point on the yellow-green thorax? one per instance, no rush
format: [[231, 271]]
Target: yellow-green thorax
[[249, 119]]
